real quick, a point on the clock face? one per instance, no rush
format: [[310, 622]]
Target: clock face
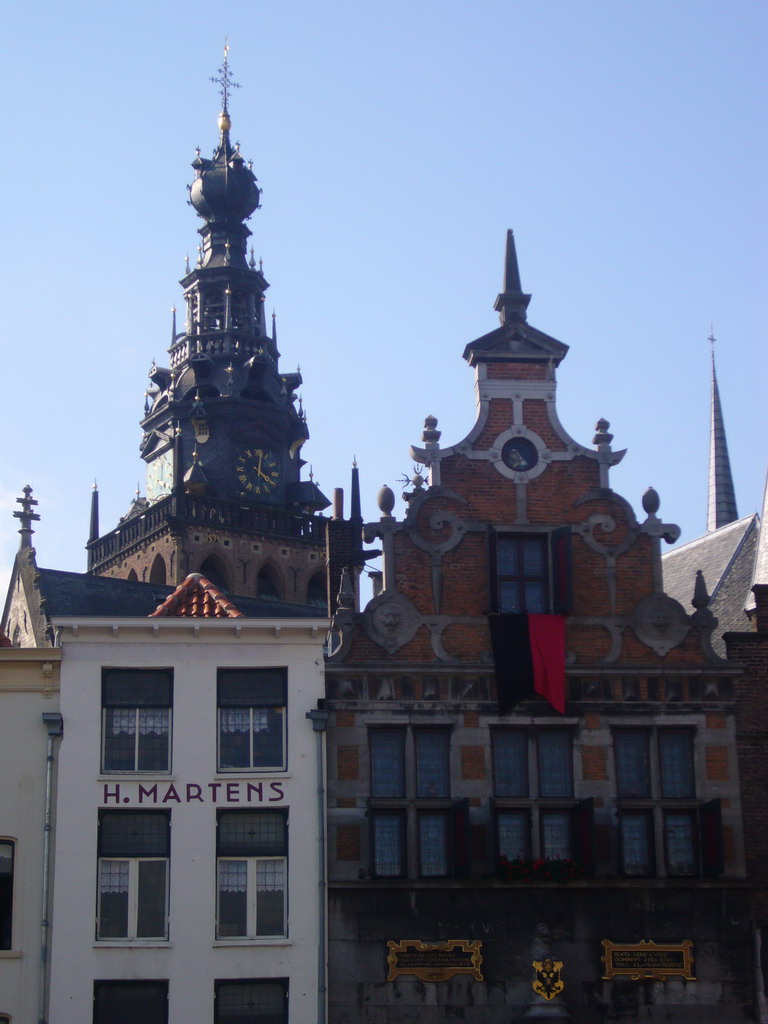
[[160, 476], [258, 472], [519, 454]]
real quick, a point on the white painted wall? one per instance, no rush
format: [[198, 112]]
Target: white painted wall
[[28, 687], [192, 958]]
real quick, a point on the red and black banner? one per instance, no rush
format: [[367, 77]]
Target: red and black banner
[[529, 657]]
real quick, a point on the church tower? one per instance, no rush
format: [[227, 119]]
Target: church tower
[[223, 427]]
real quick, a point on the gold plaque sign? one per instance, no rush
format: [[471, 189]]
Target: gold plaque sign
[[647, 959], [434, 961], [547, 982]]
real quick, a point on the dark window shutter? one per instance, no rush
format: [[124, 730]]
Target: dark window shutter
[[462, 850], [585, 834], [710, 823], [560, 554]]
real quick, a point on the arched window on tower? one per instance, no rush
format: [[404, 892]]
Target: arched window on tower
[[216, 572], [317, 594], [157, 573], [267, 586], [240, 316], [213, 310], [132, 575]]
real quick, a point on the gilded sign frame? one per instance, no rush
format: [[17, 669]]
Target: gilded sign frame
[[647, 959], [468, 963]]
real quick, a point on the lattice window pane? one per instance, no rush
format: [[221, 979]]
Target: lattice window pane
[[510, 763], [388, 845], [513, 834], [556, 835], [250, 1003], [433, 845], [633, 766], [387, 762], [679, 839], [432, 764], [134, 834], [252, 833], [676, 764], [636, 844], [555, 763]]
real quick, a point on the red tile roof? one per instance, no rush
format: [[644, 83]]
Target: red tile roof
[[197, 598]]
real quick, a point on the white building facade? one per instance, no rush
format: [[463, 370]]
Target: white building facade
[[190, 877], [29, 729]]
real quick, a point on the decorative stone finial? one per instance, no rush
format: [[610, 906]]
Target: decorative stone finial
[[651, 502], [386, 501], [700, 594], [601, 433], [26, 516], [430, 433]]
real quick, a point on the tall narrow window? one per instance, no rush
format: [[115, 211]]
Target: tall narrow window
[[433, 844], [134, 848], [633, 768], [556, 835], [388, 844], [6, 893], [680, 843], [387, 762], [252, 864], [636, 843], [251, 719], [432, 763], [522, 573], [125, 1002], [510, 762], [136, 719], [676, 763], [251, 1002], [555, 763], [513, 830]]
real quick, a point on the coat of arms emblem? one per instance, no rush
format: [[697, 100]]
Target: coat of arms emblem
[[547, 982]]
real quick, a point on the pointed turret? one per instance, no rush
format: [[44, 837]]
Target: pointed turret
[[722, 499], [93, 533], [515, 339], [512, 302]]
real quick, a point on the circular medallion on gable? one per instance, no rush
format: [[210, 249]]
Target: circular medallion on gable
[[519, 454]]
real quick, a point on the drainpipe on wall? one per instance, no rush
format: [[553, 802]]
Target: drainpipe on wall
[[319, 721], [54, 723]]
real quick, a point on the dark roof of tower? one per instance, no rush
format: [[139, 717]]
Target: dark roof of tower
[[722, 498], [515, 339], [224, 187]]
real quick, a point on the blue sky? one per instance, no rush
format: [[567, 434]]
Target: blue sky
[[624, 142]]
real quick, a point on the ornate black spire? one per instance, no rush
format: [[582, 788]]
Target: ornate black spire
[[224, 191]]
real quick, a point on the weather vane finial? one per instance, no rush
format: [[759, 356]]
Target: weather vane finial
[[225, 80]]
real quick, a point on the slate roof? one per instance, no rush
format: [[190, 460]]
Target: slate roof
[[73, 594], [761, 558], [726, 557], [197, 598]]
